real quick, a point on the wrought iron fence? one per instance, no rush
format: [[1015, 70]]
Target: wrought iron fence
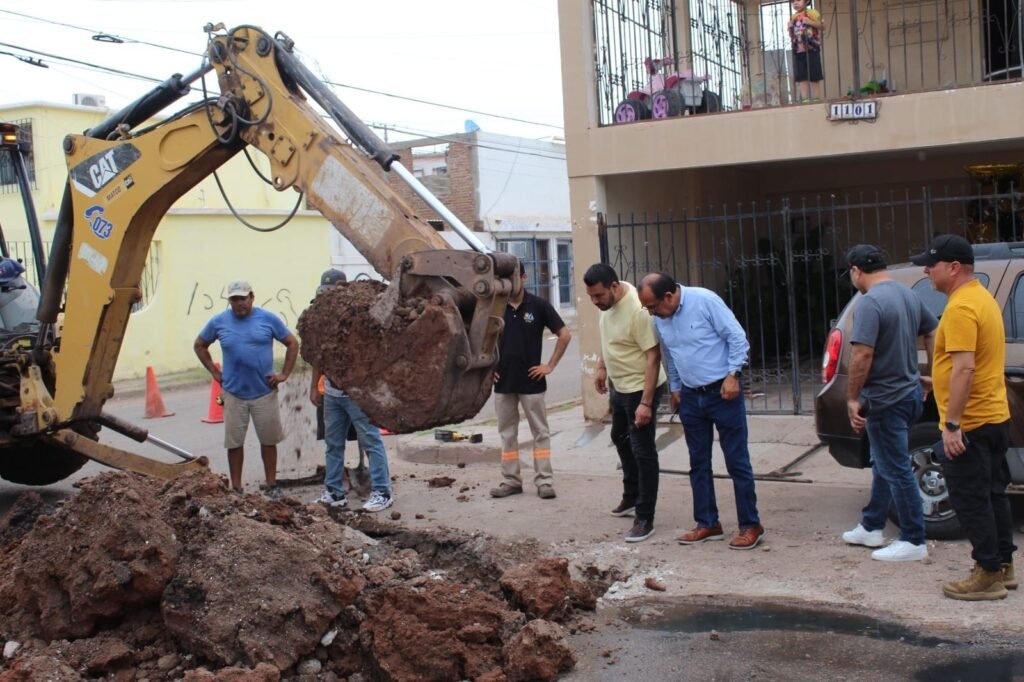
[[779, 264], [656, 59], [21, 251]]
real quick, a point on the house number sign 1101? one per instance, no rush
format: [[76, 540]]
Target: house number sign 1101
[[861, 110]]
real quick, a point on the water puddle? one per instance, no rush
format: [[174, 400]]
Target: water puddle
[[1009, 667], [746, 618]]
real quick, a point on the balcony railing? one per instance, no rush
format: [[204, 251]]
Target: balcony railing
[[660, 58]]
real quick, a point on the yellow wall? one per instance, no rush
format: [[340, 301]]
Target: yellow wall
[[198, 248]]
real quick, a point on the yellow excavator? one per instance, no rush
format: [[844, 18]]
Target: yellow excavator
[[123, 176]]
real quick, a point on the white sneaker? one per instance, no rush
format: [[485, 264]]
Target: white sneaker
[[898, 550], [864, 537], [378, 502], [331, 500]]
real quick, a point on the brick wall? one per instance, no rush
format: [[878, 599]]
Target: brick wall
[[456, 189]]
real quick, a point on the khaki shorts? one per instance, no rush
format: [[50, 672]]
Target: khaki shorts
[[265, 417]]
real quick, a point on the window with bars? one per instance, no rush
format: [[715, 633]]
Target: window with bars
[[8, 177]]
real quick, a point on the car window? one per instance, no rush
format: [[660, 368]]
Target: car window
[[934, 300], [1013, 312]]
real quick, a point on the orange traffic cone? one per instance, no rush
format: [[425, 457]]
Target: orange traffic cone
[[215, 413], [154, 403]]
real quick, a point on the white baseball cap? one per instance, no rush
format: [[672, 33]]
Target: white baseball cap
[[239, 288]]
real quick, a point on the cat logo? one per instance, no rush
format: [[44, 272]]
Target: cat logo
[[100, 226], [93, 174], [104, 170]]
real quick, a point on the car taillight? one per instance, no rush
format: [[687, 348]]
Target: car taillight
[[829, 363]]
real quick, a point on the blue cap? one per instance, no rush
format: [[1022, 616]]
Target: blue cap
[[10, 270]]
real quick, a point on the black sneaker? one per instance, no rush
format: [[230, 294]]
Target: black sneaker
[[641, 530], [273, 492], [625, 508]]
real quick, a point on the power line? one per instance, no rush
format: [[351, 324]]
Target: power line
[[106, 37], [101, 36], [89, 65], [128, 74]]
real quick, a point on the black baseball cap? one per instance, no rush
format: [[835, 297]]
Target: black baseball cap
[[329, 279], [866, 257], [948, 248]]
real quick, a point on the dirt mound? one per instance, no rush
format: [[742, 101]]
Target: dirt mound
[[106, 552], [538, 652], [543, 589], [20, 518], [391, 357], [134, 578], [274, 608], [440, 631]]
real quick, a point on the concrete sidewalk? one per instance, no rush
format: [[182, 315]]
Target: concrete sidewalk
[[781, 447]]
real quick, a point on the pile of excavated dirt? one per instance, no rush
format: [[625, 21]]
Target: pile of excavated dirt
[[390, 357], [134, 579]]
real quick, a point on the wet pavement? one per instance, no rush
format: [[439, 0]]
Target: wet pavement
[[770, 641]]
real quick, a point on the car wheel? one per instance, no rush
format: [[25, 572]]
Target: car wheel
[[940, 522]]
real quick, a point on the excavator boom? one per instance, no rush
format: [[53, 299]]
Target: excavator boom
[[430, 367]]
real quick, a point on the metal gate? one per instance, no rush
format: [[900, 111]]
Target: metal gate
[[780, 265]]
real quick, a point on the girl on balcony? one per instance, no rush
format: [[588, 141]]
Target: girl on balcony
[[805, 34]]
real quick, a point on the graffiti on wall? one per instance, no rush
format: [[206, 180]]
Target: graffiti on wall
[[204, 301]]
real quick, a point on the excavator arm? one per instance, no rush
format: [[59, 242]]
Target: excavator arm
[[123, 178]]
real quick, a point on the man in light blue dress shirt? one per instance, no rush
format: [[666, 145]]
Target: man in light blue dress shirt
[[705, 349]]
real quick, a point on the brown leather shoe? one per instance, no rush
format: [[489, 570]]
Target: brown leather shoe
[[699, 535], [747, 538]]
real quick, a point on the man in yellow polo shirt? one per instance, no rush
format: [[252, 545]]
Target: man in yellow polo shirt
[[970, 392], [630, 369]]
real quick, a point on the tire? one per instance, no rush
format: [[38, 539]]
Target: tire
[[630, 110], [709, 103], [666, 103], [38, 463], [940, 522]]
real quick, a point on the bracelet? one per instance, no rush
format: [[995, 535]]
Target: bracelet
[[647, 405]]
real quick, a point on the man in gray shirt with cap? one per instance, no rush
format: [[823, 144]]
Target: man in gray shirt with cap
[[884, 395]]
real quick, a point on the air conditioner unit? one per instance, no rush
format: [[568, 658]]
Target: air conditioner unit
[[90, 100]]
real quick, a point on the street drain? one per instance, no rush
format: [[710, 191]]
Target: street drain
[[702, 618]]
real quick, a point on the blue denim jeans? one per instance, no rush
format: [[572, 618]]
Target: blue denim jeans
[[699, 414], [892, 476], [339, 413]]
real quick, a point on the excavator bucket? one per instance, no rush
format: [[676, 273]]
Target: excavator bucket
[[405, 361]]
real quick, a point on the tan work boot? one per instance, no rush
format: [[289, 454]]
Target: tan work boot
[[504, 490], [546, 492], [1009, 577], [981, 585]]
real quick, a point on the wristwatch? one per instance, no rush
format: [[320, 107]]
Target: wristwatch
[[952, 426], [738, 374]]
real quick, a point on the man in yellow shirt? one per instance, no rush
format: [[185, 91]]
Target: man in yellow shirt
[[970, 392], [630, 368]]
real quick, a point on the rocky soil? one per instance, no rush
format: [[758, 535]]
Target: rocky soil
[[138, 579], [392, 357]]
